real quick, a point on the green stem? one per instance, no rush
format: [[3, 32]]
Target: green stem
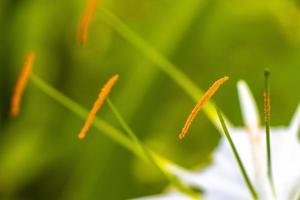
[[268, 132], [237, 157], [267, 121], [151, 159], [161, 62]]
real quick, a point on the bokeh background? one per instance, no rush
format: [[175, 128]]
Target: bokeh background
[[40, 155]]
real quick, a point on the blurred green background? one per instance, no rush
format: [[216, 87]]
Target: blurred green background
[[40, 155]]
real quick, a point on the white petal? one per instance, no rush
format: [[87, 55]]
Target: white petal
[[295, 123], [220, 196], [248, 106], [214, 180], [223, 175], [285, 162]]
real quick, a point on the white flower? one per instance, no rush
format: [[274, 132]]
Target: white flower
[[222, 180]]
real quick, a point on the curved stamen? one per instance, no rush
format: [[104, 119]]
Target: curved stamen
[[97, 105], [21, 84], [85, 21], [205, 98]]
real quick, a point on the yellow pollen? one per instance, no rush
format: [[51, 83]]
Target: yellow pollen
[[267, 106], [97, 105], [21, 84], [205, 98], [85, 21]]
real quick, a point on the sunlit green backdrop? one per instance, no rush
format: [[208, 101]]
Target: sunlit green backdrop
[[40, 155]]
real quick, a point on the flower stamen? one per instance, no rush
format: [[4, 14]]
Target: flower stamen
[[205, 98], [21, 85], [85, 21], [267, 109], [97, 105]]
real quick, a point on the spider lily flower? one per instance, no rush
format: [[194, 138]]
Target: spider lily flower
[[223, 179]]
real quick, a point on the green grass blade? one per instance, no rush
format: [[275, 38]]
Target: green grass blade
[[165, 34], [163, 63]]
